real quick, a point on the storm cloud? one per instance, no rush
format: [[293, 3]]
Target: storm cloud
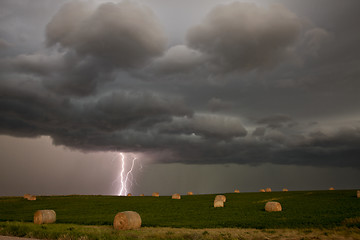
[[242, 85], [88, 43], [245, 36], [122, 34]]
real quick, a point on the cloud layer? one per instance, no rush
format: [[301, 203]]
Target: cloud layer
[[244, 36], [122, 35], [248, 84]]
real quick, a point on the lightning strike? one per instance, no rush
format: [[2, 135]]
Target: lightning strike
[[124, 179]]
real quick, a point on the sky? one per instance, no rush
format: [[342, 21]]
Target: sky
[[207, 96]]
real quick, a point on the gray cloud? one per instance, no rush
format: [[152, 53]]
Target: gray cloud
[[82, 88], [122, 34], [275, 121], [245, 36], [216, 104], [259, 132], [4, 44], [89, 43], [177, 59], [208, 126]]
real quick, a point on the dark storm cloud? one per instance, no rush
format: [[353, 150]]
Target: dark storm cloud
[[340, 148], [177, 59], [275, 121], [89, 43], [259, 131], [122, 34], [207, 126], [216, 104], [28, 113], [84, 91], [245, 36]]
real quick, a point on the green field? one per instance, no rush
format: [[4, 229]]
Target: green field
[[301, 209]]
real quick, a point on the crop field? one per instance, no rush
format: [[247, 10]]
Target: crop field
[[301, 209]]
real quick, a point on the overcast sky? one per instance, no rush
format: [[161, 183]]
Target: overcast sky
[[208, 95]]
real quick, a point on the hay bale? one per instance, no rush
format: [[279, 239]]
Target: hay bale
[[189, 193], [141, 195], [44, 216], [273, 207], [155, 194], [218, 203], [220, 198], [127, 220], [331, 188], [358, 193], [31, 198], [27, 196], [262, 190], [129, 194], [236, 191], [268, 189], [285, 190], [176, 196]]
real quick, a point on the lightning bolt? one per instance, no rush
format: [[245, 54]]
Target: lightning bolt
[[124, 179]]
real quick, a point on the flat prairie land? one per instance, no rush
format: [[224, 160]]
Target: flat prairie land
[[305, 215]]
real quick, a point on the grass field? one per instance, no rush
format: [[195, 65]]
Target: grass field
[[310, 209]]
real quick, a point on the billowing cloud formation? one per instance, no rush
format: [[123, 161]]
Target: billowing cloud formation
[[121, 34], [245, 36], [90, 43], [178, 59], [106, 80], [207, 126]]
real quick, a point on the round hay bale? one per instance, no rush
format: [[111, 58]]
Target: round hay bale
[[268, 189], [236, 191], [220, 198], [218, 203], [331, 188], [189, 193], [127, 220], [176, 196], [358, 193], [262, 190], [273, 207], [141, 195], [285, 190], [44, 216], [129, 194], [31, 198], [26, 196], [155, 194]]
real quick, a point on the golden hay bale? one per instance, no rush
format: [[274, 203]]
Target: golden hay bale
[[141, 195], [44, 216], [262, 190], [236, 191], [331, 188], [358, 193], [285, 190], [189, 193], [218, 203], [176, 196], [26, 196], [220, 198], [155, 194], [31, 198], [268, 189], [273, 207], [129, 194], [127, 220]]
